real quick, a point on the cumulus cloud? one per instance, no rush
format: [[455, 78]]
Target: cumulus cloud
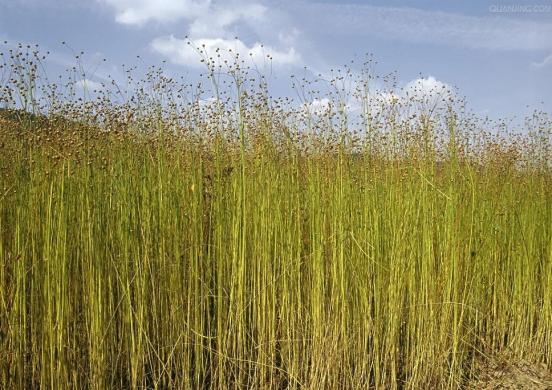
[[220, 50], [425, 93], [88, 85], [216, 22], [427, 89], [139, 12], [210, 26], [317, 106]]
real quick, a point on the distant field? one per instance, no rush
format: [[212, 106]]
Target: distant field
[[252, 243]]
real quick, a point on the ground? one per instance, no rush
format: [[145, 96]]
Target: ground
[[506, 372]]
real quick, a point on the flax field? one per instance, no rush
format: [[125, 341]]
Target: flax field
[[167, 235]]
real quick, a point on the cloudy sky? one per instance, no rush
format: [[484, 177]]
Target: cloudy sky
[[498, 54]]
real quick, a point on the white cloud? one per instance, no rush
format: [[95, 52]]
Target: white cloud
[[139, 12], [207, 20], [289, 37], [180, 52], [546, 62], [418, 94], [88, 85], [317, 107], [209, 26], [422, 26], [426, 93], [427, 89], [216, 22]]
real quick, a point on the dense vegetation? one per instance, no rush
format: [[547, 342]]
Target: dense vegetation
[[166, 240]]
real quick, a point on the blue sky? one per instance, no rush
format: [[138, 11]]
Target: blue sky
[[498, 54]]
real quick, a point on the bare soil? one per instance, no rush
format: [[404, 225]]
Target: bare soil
[[506, 372]]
